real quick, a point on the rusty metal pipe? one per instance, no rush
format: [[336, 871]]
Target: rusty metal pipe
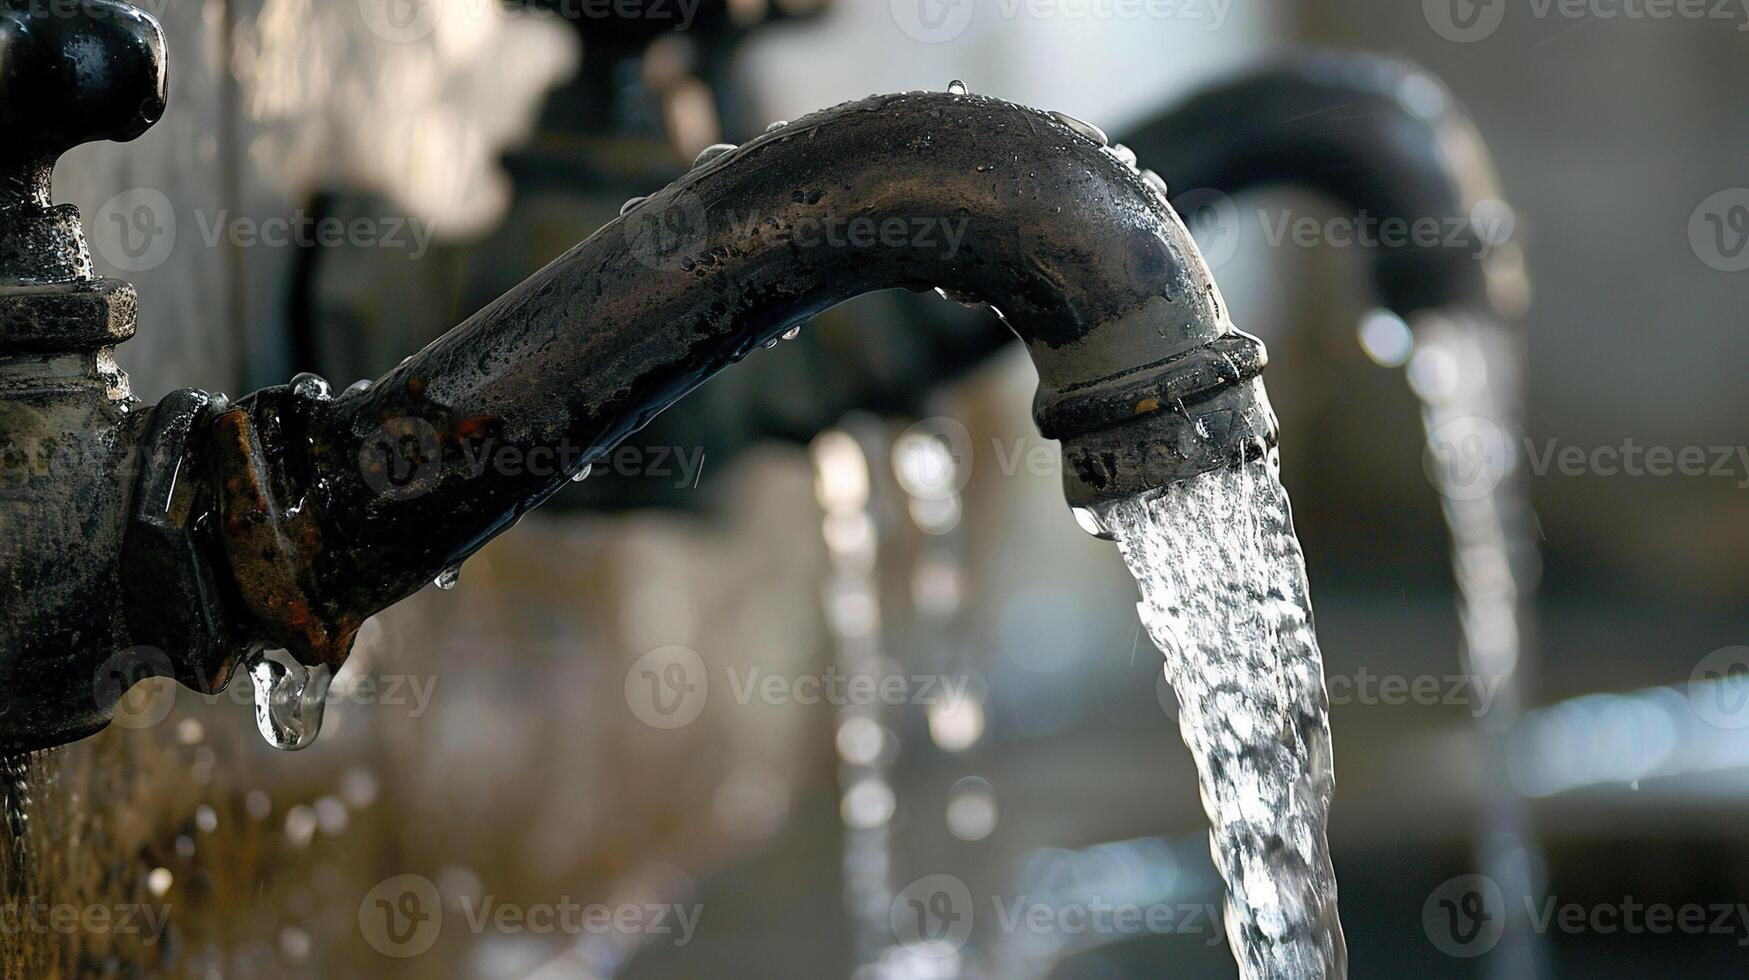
[[332, 508], [1376, 136]]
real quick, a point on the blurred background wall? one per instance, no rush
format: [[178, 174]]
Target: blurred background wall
[[529, 775]]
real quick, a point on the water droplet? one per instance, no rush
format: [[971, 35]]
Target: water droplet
[[447, 578], [634, 202], [957, 87], [792, 333], [309, 385], [1092, 523], [1123, 153], [289, 698], [582, 474], [1083, 127], [363, 384], [1154, 180], [779, 124], [711, 152], [770, 343]]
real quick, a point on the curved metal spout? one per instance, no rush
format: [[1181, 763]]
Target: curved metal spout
[[1379, 137], [331, 509]]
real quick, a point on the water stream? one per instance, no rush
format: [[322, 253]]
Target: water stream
[[1224, 597], [1465, 374]]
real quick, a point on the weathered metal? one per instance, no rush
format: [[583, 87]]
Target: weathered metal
[[288, 517], [68, 425], [1381, 139]]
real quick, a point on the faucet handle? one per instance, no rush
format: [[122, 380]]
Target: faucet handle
[[73, 72]]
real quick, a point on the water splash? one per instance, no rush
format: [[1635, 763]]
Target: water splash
[[289, 699], [1225, 598]]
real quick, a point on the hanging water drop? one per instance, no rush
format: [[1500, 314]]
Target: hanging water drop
[[779, 124], [447, 578], [582, 474], [289, 698], [957, 87], [792, 333], [628, 205], [362, 384]]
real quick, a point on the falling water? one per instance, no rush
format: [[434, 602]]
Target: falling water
[[1224, 597], [1465, 372]]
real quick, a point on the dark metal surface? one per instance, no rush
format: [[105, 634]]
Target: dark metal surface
[[1380, 138], [173, 540], [361, 499], [69, 74]]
